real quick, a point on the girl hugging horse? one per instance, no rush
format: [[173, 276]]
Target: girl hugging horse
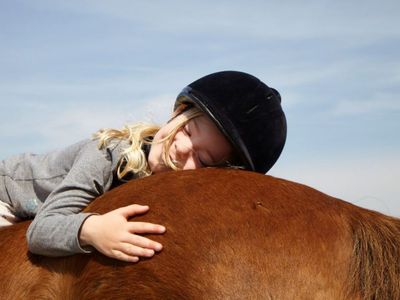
[[225, 119]]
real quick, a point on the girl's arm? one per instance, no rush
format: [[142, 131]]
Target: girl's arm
[[56, 229]]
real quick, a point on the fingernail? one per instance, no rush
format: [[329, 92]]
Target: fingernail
[[150, 252], [162, 229], [158, 247]]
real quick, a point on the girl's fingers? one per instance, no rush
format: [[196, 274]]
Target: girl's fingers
[[145, 227], [132, 210], [142, 242], [123, 256], [132, 250]]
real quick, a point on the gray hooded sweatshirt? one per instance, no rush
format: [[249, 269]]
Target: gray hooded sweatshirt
[[53, 189]]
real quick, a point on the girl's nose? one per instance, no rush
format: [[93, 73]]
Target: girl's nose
[[186, 159], [184, 147], [185, 153]]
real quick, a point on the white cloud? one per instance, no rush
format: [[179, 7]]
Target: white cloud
[[282, 20], [157, 109], [59, 124], [367, 181], [381, 103]]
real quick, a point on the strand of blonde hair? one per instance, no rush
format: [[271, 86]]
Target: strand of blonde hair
[[133, 158]]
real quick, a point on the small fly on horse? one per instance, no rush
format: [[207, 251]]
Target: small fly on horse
[[230, 235]]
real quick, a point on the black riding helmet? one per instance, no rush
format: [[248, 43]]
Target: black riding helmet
[[246, 110]]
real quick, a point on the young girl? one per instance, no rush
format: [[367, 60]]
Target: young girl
[[225, 119]]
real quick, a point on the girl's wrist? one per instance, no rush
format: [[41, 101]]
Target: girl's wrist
[[86, 232]]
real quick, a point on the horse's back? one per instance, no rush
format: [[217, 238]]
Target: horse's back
[[239, 235], [230, 234]]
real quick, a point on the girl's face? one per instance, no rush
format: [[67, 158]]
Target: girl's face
[[199, 143]]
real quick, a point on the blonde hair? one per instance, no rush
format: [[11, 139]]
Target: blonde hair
[[133, 159], [182, 118]]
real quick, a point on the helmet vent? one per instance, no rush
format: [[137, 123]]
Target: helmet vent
[[252, 109]]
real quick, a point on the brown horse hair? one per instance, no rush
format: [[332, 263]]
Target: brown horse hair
[[375, 263], [230, 235]]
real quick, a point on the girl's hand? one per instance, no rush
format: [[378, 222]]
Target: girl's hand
[[113, 235]]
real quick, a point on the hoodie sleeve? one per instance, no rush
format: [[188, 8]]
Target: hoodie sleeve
[[55, 229]]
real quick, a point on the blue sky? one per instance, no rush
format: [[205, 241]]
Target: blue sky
[[68, 68]]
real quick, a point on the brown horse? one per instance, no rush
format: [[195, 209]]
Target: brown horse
[[230, 235]]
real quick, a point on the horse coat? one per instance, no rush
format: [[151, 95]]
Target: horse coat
[[231, 234]]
